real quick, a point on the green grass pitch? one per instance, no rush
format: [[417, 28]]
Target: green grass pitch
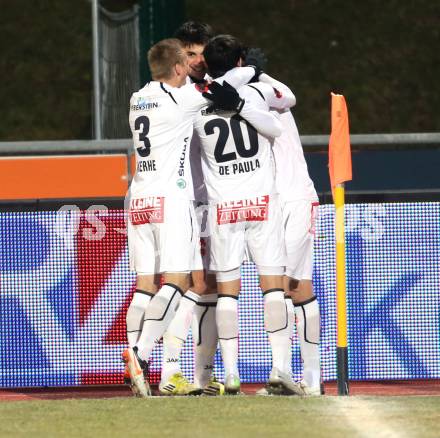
[[228, 417]]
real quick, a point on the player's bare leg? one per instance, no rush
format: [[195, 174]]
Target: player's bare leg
[[228, 284], [308, 327]]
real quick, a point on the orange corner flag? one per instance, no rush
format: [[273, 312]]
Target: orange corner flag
[[339, 153]]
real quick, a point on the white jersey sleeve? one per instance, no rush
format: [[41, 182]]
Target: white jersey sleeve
[[292, 176], [189, 97], [281, 97], [237, 76], [262, 120]]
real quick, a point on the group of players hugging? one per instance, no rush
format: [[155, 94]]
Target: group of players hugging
[[212, 129]]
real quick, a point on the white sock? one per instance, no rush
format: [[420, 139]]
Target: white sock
[[135, 315], [290, 322], [275, 321], [227, 325], [172, 346], [157, 318], [176, 334], [205, 336], [308, 327]]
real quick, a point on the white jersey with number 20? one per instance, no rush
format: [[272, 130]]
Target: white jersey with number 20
[[236, 155]]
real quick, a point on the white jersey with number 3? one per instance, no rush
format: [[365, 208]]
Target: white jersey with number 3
[[161, 120]]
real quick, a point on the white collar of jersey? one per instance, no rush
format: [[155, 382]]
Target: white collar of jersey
[[158, 84]]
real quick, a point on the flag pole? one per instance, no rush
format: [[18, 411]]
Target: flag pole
[[340, 170], [341, 293]]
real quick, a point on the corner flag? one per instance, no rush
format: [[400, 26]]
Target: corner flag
[[339, 155]]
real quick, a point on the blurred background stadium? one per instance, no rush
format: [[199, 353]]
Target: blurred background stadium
[[64, 276]]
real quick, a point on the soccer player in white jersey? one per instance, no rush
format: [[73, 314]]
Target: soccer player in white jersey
[[202, 300], [161, 235], [299, 203], [244, 209]]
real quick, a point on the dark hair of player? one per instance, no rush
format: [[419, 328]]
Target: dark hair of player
[[163, 56], [192, 32], [222, 53]]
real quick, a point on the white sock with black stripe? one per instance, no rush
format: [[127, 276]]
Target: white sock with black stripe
[[276, 324], [176, 334], [205, 336], [290, 325], [227, 326], [308, 325], [158, 317], [135, 315]]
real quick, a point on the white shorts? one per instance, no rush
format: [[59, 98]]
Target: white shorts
[[299, 218], [255, 224], [163, 235]]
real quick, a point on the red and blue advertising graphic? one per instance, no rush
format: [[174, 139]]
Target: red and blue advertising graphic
[[65, 286]]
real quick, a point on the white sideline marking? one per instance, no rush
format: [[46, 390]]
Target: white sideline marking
[[363, 418]]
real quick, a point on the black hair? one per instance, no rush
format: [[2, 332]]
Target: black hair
[[192, 32], [222, 53]]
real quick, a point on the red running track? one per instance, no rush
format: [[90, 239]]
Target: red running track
[[371, 388]]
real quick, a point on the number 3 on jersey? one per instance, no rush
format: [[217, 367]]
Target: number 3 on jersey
[[142, 123], [223, 133]]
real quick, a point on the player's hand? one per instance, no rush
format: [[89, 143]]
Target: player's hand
[[224, 97], [256, 58]]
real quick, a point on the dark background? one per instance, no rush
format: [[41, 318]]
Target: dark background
[[382, 55]]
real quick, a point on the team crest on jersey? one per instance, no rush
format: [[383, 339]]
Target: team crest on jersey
[[245, 210], [142, 101], [147, 210], [181, 183]]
